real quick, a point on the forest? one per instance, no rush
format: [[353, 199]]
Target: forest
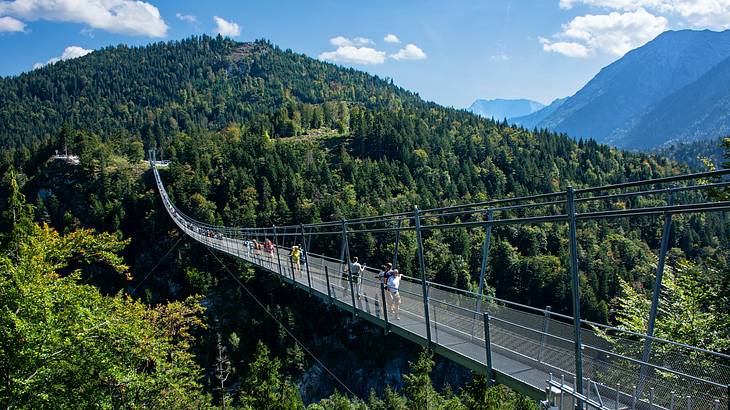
[[258, 136]]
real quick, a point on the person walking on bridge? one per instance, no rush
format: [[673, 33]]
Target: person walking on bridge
[[355, 274], [269, 251], [393, 293], [295, 256], [385, 272]]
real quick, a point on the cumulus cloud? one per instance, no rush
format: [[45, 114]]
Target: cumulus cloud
[[340, 41], [11, 25], [354, 55], [131, 17], [391, 38], [714, 14], [226, 28], [357, 51], [68, 53], [567, 48], [409, 52], [614, 33], [189, 18], [353, 51], [499, 57]]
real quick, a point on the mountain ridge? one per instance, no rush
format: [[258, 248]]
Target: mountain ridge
[[499, 108], [613, 102]]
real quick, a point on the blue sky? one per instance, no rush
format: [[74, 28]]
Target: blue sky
[[451, 52]]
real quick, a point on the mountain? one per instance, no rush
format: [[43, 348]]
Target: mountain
[[157, 90], [697, 111], [612, 106], [529, 121], [501, 108]]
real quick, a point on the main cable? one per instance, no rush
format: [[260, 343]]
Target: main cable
[[268, 312], [158, 263]]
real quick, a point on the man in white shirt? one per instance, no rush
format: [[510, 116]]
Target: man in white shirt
[[393, 293], [356, 272]]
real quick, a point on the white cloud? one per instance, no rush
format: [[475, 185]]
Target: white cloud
[[361, 41], [340, 41], [714, 14], [226, 28], [9, 24], [355, 51], [189, 18], [500, 57], [567, 48], [68, 53], [409, 52], [614, 33], [391, 38], [704, 13], [117, 16], [350, 54], [625, 5]]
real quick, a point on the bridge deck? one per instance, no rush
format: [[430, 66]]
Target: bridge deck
[[463, 336]]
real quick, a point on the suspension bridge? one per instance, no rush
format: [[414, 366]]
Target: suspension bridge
[[566, 361]]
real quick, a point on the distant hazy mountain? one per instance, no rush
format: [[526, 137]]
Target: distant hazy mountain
[[632, 102], [531, 120], [500, 108]]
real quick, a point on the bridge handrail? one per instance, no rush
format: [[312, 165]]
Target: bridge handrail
[[655, 181]]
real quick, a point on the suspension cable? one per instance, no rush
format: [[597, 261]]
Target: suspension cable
[[289, 332], [158, 263]]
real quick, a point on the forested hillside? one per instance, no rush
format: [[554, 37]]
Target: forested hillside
[[261, 136], [695, 154]]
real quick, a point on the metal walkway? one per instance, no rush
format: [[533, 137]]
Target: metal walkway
[[527, 346]]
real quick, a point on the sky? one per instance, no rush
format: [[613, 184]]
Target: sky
[[449, 51]]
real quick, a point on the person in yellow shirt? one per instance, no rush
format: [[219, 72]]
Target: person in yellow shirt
[[295, 256]]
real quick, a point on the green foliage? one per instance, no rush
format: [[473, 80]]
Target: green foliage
[[391, 401], [265, 388], [420, 394], [691, 307], [58, 333], [418, 387]]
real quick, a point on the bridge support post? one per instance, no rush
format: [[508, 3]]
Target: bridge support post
[[570, 202], [483, 270], [309, 243], [346, 244], [306, 257], [276, 248], [543, 336], [397, 242], [327, 278], [291, 268], [655, 299], [386, 325], [422, 268], [488, 347]]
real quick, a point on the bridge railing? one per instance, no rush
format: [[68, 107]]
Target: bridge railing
[[544, 339]]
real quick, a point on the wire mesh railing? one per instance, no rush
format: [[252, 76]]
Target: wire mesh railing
[[538, 341]]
